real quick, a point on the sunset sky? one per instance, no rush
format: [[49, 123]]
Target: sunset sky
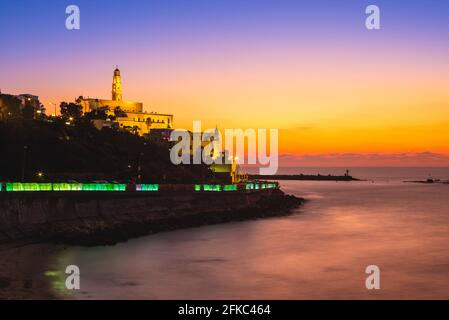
[[340, 95]]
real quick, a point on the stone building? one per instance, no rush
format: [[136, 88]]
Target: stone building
[[129, 114]]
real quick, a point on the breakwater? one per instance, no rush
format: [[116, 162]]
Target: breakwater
[[107, 217], [305, 177]]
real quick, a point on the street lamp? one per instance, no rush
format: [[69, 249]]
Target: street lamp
[[54, 105]]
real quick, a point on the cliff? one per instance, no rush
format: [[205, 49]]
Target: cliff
[[95, 218], [80, 152]]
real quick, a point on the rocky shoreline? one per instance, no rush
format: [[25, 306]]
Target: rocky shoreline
[[23, 263], [106, 218], [112, 231]]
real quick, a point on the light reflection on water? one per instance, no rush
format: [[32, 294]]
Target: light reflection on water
[[319, 252]]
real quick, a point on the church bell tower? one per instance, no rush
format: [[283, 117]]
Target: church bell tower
[[117, 86]]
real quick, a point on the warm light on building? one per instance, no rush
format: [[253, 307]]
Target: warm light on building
[[133, 117]]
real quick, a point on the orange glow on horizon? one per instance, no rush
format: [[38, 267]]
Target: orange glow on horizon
[[340, 101]]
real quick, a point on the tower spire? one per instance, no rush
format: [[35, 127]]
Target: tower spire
[[117, 85]]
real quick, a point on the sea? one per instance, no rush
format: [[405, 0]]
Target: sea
[[321, 251]]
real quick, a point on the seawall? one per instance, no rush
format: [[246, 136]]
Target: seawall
[[94, 218]]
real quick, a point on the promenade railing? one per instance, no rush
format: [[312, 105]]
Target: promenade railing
[[120, 187]]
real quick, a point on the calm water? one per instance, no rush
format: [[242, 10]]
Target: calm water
[[369, 173], [321, 251]]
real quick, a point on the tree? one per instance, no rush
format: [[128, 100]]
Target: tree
[[9, 106], [40, 112], [28, 112], [135, 130], [118, 112], [97, 114], [70, 110]]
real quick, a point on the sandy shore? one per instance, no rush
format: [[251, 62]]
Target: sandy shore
[[22, 270]]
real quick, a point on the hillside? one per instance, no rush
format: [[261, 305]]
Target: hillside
[[82, 153]]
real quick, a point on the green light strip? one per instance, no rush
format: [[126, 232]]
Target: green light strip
[[67, 186], [212, 187], [147, 187], [230, 187], [111, 187], [104, 187], [15, 186], [34, 187]]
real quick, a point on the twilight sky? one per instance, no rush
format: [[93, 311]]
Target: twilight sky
[[338, 93]]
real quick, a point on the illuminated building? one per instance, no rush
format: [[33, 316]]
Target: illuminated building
[[128, 114], [28, 99], [7, 101], [117, 86], [25, 99]]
